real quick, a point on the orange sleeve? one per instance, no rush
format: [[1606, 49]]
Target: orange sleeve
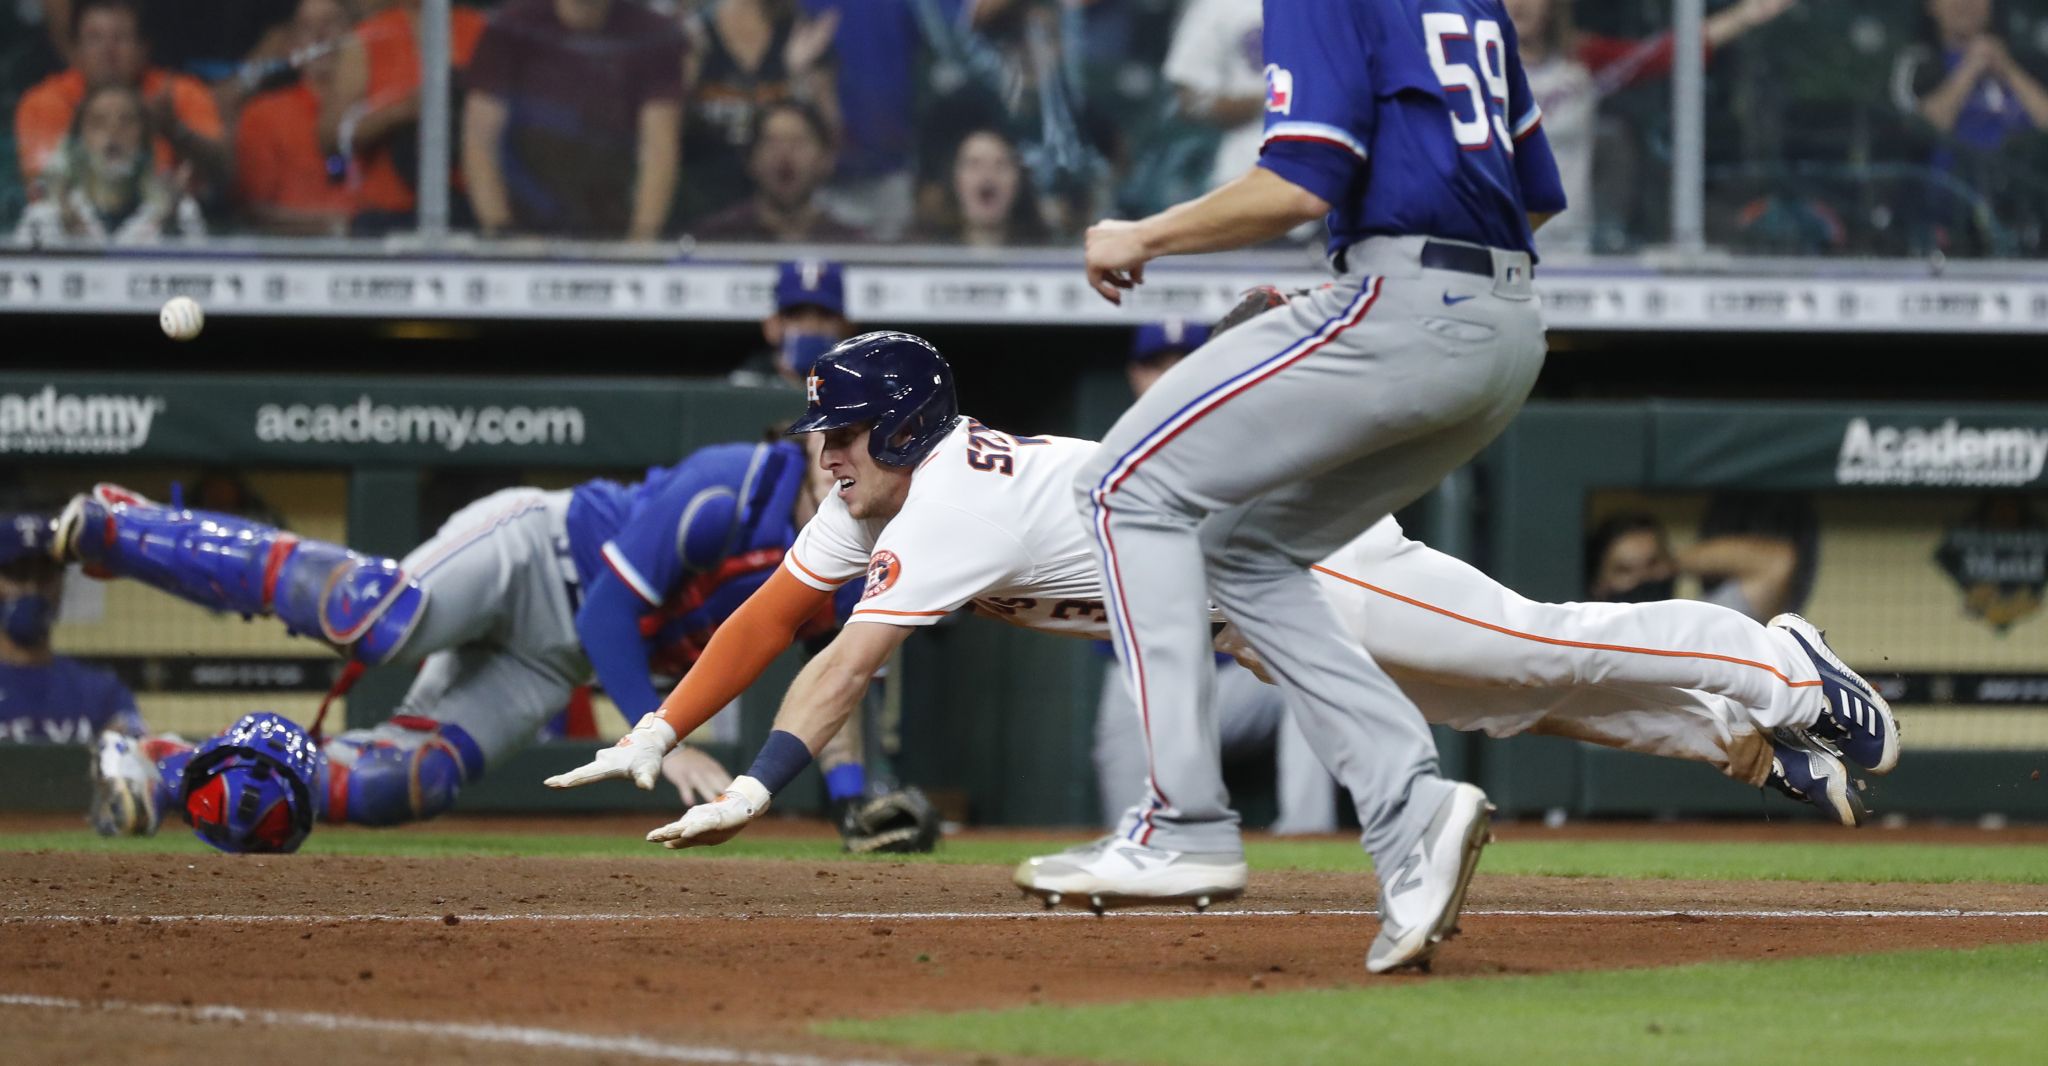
[[256, 172], [743, 647], [466, 25], [195, 107], [39, 125]]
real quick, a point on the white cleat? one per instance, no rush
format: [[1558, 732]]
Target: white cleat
[[1114, 872], [123, 788], [1420, 897]]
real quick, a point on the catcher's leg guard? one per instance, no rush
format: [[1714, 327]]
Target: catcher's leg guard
[[406, 770], [364, 605]]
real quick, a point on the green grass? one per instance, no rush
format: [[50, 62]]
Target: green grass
[[1856, 858], [1984, 1005]]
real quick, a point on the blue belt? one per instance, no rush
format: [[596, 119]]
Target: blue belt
[[1463, 258]]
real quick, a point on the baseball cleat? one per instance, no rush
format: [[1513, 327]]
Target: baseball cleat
[[1114, 872], [123, 788], [1421, 896], [1806, 769], [1853, 718]]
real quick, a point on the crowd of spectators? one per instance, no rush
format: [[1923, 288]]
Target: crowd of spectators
[[1887, 127]]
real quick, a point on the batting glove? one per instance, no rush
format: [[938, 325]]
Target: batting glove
[[637, 755], [718, 821]]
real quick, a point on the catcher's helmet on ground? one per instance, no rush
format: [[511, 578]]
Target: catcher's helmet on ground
[[897, 381], [250, 788]]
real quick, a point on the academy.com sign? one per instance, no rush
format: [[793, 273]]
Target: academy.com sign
[[1948, 454], [53, 422], [453, 428]]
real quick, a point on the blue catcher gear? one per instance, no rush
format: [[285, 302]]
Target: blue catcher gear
[[406, 770], [897, 381], [250, 788], [364, 605]]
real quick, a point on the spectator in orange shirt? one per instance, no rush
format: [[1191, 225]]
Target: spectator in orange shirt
[[282, 178], [99, 185], [373, 115], [108, 49]]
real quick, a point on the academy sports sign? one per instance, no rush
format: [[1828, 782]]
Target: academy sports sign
[[1947, 454], [50, 421]]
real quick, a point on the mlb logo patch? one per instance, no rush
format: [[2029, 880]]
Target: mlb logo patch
[[1279, 89]]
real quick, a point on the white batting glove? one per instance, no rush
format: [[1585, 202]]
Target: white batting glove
[[637, 755], [695, 774], [718, 821]]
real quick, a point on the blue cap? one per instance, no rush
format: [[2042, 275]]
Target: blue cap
[[1172, 335], [810, 283], [24, 536]]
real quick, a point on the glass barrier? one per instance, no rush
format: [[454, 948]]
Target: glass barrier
[[1884, 128]]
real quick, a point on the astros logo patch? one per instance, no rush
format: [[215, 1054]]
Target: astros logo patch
[[811, 387], [883, 569]]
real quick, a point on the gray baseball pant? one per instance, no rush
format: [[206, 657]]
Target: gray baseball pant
[[497, 641], [1260, 454]]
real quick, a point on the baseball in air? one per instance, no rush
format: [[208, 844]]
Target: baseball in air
[[181, 318]]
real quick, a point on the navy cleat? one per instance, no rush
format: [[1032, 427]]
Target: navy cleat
[[1804, 769], [1853, 718]]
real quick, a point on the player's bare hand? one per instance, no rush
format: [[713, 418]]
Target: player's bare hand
[[637, 755], [1116, 257], [718, 821], [695, 774]]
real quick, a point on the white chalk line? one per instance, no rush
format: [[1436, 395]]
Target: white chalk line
[[481, 1033], [941, 916]]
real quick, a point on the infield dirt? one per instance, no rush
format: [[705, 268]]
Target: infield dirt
[[740, 953]]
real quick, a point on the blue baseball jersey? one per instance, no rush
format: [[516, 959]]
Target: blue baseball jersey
[[1409, 117], [64, 702], [662, 562]]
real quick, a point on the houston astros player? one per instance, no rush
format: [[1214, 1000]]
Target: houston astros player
[[940, 512], [510, 606]]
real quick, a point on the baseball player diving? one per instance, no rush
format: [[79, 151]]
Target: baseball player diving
[[937, 511], [519, 598]]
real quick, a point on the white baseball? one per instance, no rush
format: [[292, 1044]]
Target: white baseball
[[181, 318]]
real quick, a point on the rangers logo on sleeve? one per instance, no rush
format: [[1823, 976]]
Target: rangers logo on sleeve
[[883, 569], [1279, 89]]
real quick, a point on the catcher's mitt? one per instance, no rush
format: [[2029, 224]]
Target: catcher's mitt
[[899, 821]]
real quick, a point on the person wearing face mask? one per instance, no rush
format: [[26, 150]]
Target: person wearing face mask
[[809, 318], [1629, 559], [46, 698], [101, 186]]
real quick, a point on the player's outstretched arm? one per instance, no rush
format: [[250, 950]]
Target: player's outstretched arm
[[1249, 210], [823, 696], [742, 648]]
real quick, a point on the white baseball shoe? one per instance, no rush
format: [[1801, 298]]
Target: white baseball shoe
[[1114, 872], [123, 788], [1421, 895]]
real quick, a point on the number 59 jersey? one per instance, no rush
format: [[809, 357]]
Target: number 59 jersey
[[1409, 117], [989, 521]]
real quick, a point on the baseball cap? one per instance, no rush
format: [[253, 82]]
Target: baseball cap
[[810, 283], [25, 537], [1171, 335]]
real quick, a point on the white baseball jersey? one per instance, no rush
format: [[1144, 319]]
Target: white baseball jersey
[[989, 523]]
